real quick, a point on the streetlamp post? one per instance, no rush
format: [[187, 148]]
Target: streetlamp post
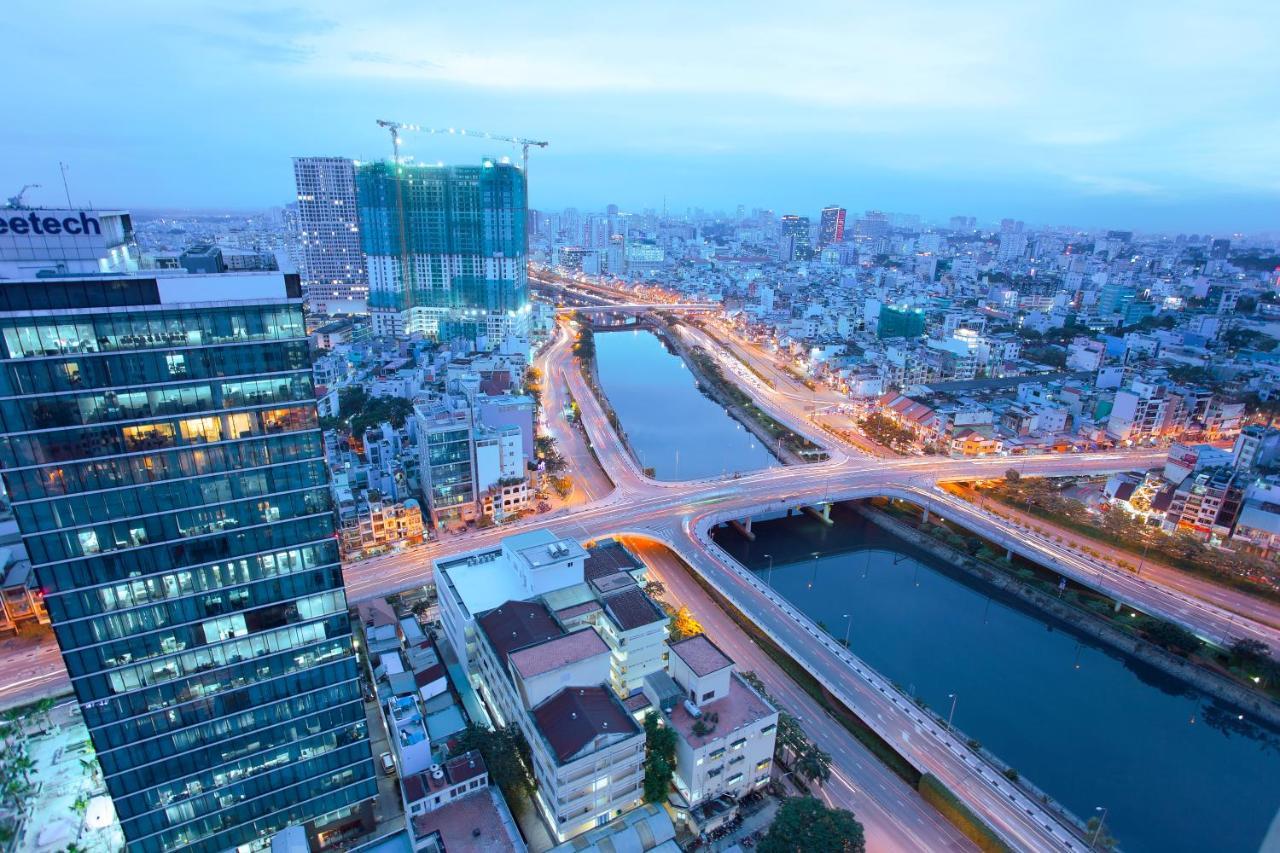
[[1143, 561], [848, 626], [1097, 830], [769, 576], [953, 697]]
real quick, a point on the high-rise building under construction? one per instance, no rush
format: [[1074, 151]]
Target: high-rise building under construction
[[445, 250]]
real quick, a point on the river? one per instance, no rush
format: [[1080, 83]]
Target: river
[[1176, 770], [671, 426]]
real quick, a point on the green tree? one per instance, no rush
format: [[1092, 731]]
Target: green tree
[[805, 825], [1173, 637], [813, 764], [660, 758], [655, 588], [1105, 840], [506, 755]]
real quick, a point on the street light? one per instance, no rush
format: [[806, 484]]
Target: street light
[[1098, 829], [769, 577], [953, 697], [847, 627]]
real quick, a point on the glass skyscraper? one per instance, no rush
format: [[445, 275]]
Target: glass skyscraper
[[445, 249], [162, 454]]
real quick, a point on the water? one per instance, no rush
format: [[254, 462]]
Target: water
[[1177, 770], [670, 424]]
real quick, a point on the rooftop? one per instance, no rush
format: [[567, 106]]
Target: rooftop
[[736, 710], [516, 624], [558, 652], [609, 557], [701, 655], [572, 719], [631, 609], [471, 823]]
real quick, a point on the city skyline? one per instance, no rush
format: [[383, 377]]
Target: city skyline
[[1169, 125]]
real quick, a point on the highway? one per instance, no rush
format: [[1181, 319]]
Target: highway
[[620, 500], [680, 514]]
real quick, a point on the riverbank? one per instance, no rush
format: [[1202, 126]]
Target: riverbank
[[653, 397], [790, 447], [1200, 677]]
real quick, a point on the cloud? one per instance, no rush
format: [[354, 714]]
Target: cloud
[[1104, 185]]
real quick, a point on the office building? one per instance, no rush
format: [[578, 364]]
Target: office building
[[328, 233], [56, 242], [162, 453], [795, 238], [445, 248], [831, 227]]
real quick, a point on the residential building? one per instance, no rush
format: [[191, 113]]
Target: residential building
[[166, 471], [725, 731], [445, 250], [588, 750], [331, 258], [1206, 504]]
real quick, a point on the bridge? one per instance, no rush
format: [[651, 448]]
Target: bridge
[[639, 307], [680, 516]]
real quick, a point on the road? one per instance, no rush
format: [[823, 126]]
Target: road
[[680, 515], [1228, 598], [893, 815]]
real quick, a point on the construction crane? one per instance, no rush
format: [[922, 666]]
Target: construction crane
[[525, 144], [15, 201]]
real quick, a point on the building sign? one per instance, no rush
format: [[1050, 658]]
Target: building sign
[[49, 222]]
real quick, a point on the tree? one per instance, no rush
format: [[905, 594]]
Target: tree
[[1105, 840], [790, 736], [655, 588], [660, 758], [683, 625], [506, 755], [814, 764], [1249, 654], [1173, 637], [1012, 475], [804, 824]]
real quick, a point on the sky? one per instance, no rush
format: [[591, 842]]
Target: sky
[[1144, 114]]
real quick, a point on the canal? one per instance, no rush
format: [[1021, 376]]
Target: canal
[[671, 426], [1176, 770]]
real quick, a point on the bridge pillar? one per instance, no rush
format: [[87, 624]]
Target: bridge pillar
[[744, 529], [924, 515], [824, 515]]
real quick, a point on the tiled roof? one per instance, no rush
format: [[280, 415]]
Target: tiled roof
[[515, 624], [557, 652], [571, 719], [701, 655], [631, 608], [607, 558]]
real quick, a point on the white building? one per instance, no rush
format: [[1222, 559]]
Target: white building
[[725, 730], [62, 242], [332, 261]]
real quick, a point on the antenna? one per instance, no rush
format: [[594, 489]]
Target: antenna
[[65, 188]]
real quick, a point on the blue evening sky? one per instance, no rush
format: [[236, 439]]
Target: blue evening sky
[[1151, 114]]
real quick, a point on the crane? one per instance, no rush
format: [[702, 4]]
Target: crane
[[15, 201], [525, 144]]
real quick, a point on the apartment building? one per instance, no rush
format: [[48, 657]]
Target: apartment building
[[588, 751], [725, 731]]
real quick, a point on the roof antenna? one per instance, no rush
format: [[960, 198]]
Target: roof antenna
[[65, 188]]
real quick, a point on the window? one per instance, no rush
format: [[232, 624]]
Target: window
[[708, 696], [201, 430]]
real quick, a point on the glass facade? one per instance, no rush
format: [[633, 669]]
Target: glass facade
[[167, 475], [447, 239]]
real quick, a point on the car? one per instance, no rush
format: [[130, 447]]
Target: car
[[388, 764]]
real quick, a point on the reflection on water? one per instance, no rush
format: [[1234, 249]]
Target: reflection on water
[[1176, 769], [672, 427]]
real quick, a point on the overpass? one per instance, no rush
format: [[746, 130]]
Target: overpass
[[639, 307], [680, 515]]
